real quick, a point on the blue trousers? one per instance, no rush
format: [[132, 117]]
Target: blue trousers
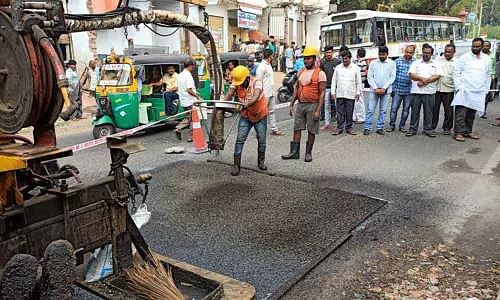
[[372, 105], [244, 127]]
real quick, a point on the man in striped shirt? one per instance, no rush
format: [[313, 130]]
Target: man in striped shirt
[[402, 90]]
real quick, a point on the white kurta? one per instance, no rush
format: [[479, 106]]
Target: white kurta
[[472, 77]]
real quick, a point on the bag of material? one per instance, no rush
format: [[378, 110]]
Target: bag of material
[[100, 263]]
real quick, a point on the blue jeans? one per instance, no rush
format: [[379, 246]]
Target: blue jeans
[[396, 103], [244, 127], [372, 104], [330, 109]]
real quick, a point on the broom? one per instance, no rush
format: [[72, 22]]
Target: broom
[[153, 281]]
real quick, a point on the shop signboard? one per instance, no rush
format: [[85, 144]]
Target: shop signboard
[[247, 20]]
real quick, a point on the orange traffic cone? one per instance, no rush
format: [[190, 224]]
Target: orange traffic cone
[[198, 139]]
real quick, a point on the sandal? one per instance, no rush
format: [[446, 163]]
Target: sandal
[[459, 138], [472, 136]]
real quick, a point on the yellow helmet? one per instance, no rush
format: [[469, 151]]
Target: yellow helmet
[[239, 74], [310, 51]]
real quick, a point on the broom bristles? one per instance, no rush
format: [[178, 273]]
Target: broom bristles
[[153, 281]]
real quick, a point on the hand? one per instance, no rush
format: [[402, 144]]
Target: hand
[[382, 91], [421, 84], [290, 109], [317, 115], [334, 97], [356, 98]]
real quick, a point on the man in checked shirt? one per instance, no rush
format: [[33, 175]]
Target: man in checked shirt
[[402, 89]]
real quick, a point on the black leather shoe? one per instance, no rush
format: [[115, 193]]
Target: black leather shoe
[[380, 131], [366, 132]]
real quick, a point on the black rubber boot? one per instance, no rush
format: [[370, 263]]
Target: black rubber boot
[[66, 115], [261, 158], [309, 148], [236, 166], [59, 272], [294, 152], [19, 278]]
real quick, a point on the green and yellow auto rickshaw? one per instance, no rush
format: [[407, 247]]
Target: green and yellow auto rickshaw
[[205, 88], [126, 96]]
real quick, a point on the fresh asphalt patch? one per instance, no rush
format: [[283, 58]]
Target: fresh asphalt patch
[[265, 230]]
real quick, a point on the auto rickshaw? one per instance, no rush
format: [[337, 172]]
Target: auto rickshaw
[[236, 58], [205, 87], [125, 98]]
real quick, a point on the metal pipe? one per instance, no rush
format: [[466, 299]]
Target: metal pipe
[[15, 137], [62, 81]]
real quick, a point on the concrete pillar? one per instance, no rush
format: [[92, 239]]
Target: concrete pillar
[[313, 30]]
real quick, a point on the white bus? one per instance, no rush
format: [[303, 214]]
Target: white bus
[[371, 29]]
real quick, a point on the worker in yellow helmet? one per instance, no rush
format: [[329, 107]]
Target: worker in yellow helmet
[[310, 93], [249, 91]]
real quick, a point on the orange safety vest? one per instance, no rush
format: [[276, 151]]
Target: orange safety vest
[[258, 110], [309, 92]]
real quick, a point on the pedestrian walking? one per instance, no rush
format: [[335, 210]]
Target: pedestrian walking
[[489, 96], [445, 90], [310, 93], [265, 73], [472, 77], [402, 90], [346, 88], [249, 91], [289, 61], [74, 90], [327, 65], [381, 76], [359, 113], [187, 96], [424, 74], [90, 77]]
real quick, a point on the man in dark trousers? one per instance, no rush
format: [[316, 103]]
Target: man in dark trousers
[[445, 90], [327, 65], [310, 92], [424, 74]]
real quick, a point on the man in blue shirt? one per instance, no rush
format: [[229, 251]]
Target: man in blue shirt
[[252, 65], [381, 76], [402, 90]]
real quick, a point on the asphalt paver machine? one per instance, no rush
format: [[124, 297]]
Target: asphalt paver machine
[[48, 216]]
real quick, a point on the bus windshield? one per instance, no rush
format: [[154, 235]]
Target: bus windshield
[[115, 75], [349, 33], [358, 32]]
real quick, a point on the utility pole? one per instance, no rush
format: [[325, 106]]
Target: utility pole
[[187, 38]]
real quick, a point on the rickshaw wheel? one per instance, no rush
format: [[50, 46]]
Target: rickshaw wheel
[[103, 130]]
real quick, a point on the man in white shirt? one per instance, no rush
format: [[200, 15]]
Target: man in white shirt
[[187, 96], [424, 74], [445, 90], [345, 89], [266, 74], [472, 77]]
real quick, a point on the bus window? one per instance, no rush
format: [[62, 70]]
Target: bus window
[[428, 30], [380, 34], [420, 31], [358, 32], [332, 35]]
